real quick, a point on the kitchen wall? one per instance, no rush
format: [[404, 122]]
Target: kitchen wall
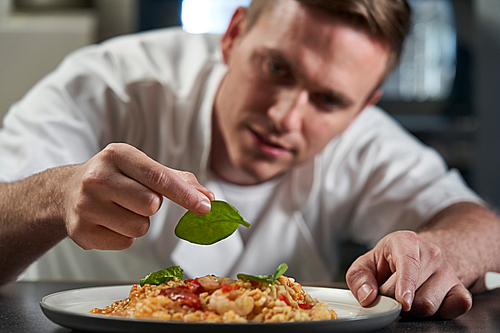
[[31, 45], [116, 17], [36, 35], [487, 99]]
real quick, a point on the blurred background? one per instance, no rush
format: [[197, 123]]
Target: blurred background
[[446, 90]]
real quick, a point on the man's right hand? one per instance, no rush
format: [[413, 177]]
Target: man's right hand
[[104, 203], [108, 200]]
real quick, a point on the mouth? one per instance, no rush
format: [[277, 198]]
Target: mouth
[[268, 147]]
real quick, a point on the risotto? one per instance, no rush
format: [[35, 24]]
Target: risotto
[[221, 300]]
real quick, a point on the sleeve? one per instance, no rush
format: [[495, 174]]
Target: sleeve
[[395, 182], [65, 118]]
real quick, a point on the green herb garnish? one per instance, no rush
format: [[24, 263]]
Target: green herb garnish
[[163, 276], [265, 278], [221, 222]]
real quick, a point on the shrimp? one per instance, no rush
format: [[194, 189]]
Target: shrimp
[[209, 282], [321, 312], [235, 300]]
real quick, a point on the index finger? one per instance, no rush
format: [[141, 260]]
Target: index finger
[[403, 254], [137, 165], [396, 258]]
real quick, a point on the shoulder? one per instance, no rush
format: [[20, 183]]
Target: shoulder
[[377, 122], [376, 146], [173, 41], [375, 130], [164, 55]]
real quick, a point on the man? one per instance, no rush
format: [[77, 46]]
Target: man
[[277, 131]]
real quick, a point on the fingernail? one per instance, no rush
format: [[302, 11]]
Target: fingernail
[[204, 206], [363, 292], [407, 296]]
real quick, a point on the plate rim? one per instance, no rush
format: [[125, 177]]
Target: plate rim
[[52, 312]]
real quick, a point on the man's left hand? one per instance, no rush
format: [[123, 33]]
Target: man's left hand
[[414, 272]]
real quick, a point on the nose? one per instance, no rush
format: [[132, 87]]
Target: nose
[[287, 113]]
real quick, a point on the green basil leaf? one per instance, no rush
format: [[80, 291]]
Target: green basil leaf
[[222, 220], [280, 271], [265, 278], [163, 276]]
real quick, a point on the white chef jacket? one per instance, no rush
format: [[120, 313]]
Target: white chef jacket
[[155, 91]]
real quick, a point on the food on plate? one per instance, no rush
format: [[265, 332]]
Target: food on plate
[[221, 222], [213, 299]]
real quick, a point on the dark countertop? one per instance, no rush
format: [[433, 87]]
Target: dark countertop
[[20, 311]]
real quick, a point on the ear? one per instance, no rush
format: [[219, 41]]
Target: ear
[[233, 33], [375, 97]]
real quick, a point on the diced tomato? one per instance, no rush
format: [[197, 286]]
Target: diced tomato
[[183, 295], [196, 287], [285, 299], [254, 283], [305, 306], [226, 287], [187, 281]]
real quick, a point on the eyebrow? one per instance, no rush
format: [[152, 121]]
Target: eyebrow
[[342, 99]]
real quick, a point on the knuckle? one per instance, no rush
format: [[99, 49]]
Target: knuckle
[[403, 239], [413, 260], [111, 152], [93, 178], [435, 252], [356, 272], [158, 178], [425, 307], [410, 279], [112, 148], [189, 176], [409, 275], [153, 204], [141, 227], [410, 236], [123, 243], [456, 303], [187, 198], [108, 152], [465, 303], [80, 208]]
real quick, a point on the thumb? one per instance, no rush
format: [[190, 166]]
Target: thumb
[[361, 280]]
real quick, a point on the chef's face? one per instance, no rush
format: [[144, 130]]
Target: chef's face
[[295, 80]]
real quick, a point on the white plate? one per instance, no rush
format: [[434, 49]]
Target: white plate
[[70, 308]]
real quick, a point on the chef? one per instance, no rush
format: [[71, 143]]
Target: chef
[[102, 157]]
